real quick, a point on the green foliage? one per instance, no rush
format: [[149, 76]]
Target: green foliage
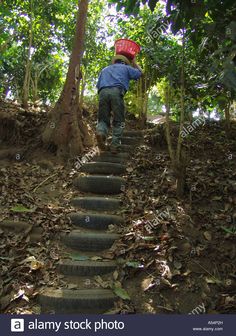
[[210, 30], [97, 53], [49, 49], [210, 51]]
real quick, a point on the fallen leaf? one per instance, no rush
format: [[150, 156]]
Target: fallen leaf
[[121, 293], [101, 282], [21, 208], [207, 235], [134, 264], [147, 283], [213, 281], [35, 265], [115, 275]]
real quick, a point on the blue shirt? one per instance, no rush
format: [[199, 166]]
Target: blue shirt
[[117, 74]]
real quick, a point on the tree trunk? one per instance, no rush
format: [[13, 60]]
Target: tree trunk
[[143, 117], [168, 131], [26, 84], [83, 86], [180, 173], [34, 87], [35, 81], [66, 128], [182, 100], [179, 157], [227, 116], [142, 100]]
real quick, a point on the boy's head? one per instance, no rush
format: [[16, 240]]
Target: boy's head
[[121, 60]]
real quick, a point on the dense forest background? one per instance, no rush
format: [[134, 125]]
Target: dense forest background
[[37, 37]]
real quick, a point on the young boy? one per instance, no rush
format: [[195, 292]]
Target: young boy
[[113, 82]]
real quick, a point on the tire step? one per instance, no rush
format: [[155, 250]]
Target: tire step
[[86, 268], [90, 241], [126, 148], [130, 141], [98, 184], [95, 221], [80, 301], [119, 155], [97, 203], [16, 226], [109, 158], [137, 134], [103, 168]]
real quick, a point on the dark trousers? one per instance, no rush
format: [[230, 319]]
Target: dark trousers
[[111, 101]]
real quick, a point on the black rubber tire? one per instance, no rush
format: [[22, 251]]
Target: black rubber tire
[[119, 155], [98, 184], [97, 203], [80, 301], [16, 226], [86, 268], [95, 221], [103, 168], [126, 148], [90, 241], [138, 134], [109, 158], [130, 141]]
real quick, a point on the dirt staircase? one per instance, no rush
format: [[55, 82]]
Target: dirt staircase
[[103, 184]]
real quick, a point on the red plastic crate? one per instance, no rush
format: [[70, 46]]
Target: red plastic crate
[[127, 48]]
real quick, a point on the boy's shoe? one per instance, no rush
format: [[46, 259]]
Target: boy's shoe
[[101, 140]]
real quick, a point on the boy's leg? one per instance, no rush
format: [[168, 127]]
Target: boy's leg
[[118, 108], [103, 123]]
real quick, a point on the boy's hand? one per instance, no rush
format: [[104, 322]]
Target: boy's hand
[[135, 65]]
